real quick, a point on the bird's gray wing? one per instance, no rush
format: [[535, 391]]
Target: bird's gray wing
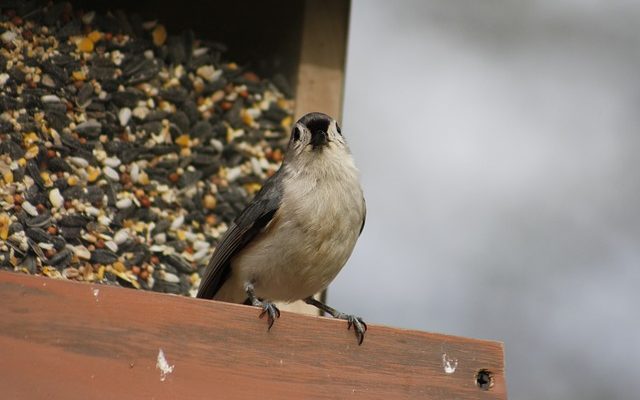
[[246, 226]]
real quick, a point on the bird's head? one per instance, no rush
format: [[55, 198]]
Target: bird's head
[[314, 134]]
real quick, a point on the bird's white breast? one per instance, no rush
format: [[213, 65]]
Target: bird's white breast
[[310, 238]]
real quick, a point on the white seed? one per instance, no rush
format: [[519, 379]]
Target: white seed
[[121, 236], [112, 162], [81, 252], [140, 112], [124, 203], [233, 174], [104, 220], [216, 144], [4, 77], [48, 81], [177, 223], [254, 112], [111, 173], [200, 244], [169, 277], [50, 98], [160, 238], [30, 208], [100, 154], [135, 172], [89, 237], [200, 51], [200, 254], [111, 245], [8, 36], [70, 272], [79, 162], [255, 165], [124, 115], [90, 210], [208, 72], [190, 236], [157, 248], [56, 198], [117, 57], [169, 197]]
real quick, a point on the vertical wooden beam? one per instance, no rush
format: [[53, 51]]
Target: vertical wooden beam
[[321, 71], [322, 57]]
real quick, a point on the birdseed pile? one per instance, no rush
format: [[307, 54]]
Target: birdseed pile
[[125, 151]]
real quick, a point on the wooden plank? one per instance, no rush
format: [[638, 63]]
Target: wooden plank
[[69, 340], [321, 71]]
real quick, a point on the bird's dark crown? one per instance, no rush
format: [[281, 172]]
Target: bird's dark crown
[[317, 123]]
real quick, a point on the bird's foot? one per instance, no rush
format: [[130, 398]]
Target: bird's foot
[[359, 326], [270, 310]]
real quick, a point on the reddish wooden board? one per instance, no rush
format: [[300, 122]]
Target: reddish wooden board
[[68, 340]]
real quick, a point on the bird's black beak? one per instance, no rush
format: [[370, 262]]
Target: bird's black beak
[[318, 139]]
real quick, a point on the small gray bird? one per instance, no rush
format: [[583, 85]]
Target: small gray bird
[[299, 230]]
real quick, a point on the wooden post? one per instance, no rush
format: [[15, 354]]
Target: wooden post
[[69, 340], [323, 53]]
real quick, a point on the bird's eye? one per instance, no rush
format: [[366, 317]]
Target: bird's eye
[[296, 133], [338, 128]]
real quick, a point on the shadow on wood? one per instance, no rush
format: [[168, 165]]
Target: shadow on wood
[[68, 340]]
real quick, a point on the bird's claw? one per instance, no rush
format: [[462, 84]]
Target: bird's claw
[[271, 311], [359, 326]]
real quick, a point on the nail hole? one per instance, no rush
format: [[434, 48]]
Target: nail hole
[[484, 379]]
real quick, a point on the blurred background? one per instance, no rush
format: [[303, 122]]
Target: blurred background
[[498, 144]]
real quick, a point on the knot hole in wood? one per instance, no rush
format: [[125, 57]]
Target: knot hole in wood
[[484, 379]]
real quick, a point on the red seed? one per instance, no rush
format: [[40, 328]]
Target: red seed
[[251, 77]]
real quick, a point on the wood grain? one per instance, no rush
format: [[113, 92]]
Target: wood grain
[[68, 340]]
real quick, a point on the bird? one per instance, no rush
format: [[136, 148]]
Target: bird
[[298, 231]]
